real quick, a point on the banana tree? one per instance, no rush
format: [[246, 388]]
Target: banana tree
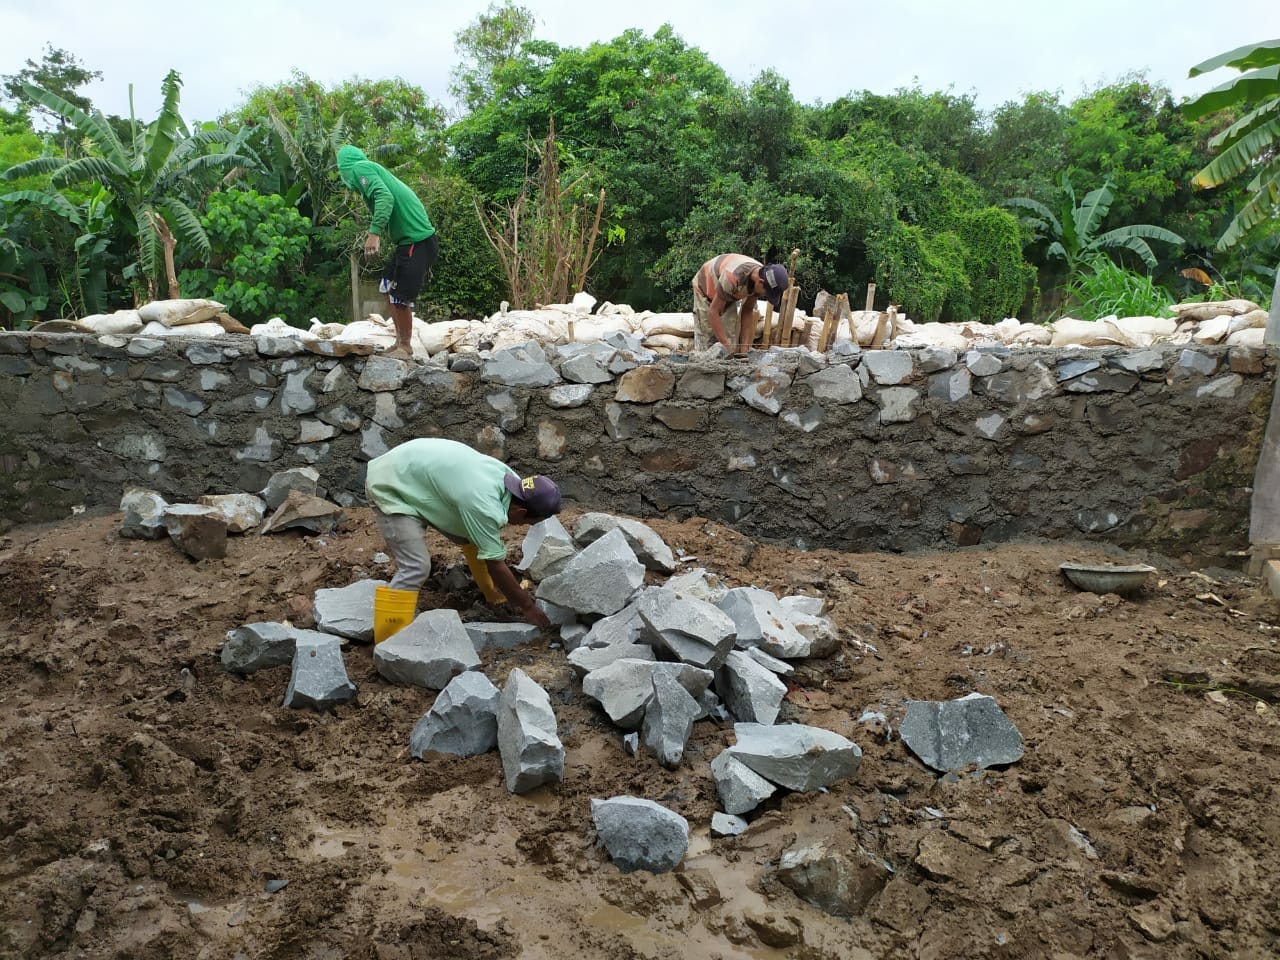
[[149, 177], [1073, 229]]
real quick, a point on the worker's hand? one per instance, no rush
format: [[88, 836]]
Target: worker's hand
[[372, 244], [533, 614]]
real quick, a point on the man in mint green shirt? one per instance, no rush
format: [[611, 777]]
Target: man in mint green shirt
[[467, 496], [398, 214]]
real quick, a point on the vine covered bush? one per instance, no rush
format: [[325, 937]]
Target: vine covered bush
[[998, 276]]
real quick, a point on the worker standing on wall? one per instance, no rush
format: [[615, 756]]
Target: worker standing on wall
[[725, 290], [467, 496], [399, 215]]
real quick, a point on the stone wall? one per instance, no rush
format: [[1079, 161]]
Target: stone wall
[[874, 450]]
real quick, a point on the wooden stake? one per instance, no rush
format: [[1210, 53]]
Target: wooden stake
[[767, 338], [828, 327], [355, 287], [871, 297]]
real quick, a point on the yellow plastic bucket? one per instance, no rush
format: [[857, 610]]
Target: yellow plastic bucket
[[393, 610]]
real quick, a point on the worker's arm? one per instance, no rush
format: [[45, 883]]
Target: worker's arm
[[382, 203], [520, 601], [714, 321]]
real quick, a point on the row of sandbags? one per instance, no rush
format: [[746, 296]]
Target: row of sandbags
[[1235, 322]]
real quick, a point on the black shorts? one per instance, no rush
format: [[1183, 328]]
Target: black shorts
[[404, 276]]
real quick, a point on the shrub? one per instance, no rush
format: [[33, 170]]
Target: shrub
[[1105, 290]]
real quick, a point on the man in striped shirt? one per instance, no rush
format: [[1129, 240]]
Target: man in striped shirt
[[724, 299]]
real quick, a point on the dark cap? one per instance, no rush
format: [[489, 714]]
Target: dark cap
[[539, 494], [775, 281]]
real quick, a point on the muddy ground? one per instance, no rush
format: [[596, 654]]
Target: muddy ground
[[150, 801]]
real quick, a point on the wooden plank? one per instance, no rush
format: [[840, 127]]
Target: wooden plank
[[828, 327], [871, 296], [767, 337]]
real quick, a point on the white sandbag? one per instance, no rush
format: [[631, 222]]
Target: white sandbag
[[275, 327], [920, 335], [1254, 318], [1032, 335], [1251, 337], [1206, 311], [1212, 331], [433, 338], [177, 313], [207, 329], [667, 341], [375, 331], [1088, 333], [583, 302], [1007, 330], [673, 324], [1144, 331], [326, 331], [608, 309], [122, 321]]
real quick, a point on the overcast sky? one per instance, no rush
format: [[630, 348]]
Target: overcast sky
[[996, 50]]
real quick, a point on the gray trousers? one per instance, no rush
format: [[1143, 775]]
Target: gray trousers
[[407, 543]]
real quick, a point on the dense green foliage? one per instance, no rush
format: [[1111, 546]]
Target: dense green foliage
[[910, 190]]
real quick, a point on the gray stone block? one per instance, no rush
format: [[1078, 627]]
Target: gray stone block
[[640, 834], [257, 646], [760, 620], [586, 659], [347, 611], [319, 678], [623, 688], [547, 548], [954, 734], [429, 652], [302, 479], [600, 579], [668, 719], [463, 721], [741, 789], [796, 756], [623, 627], [524, 365], [750, 691], [501, 636], [143, 514], [694, 631], [532, 753], [648, 547], [727, 825]]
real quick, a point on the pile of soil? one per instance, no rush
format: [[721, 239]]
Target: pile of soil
[[153, 806]]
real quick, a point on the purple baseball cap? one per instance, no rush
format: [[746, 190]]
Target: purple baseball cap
[[539, 494], [775, 281]]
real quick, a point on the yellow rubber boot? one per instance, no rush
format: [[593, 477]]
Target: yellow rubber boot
[[393, 610], [480, 573]]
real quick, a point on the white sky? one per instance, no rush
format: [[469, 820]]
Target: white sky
[[994, 49]]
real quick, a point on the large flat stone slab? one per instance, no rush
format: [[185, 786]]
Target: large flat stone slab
[[319, 679], [795, 756], [623, 688], [969, 732], [649, 548], [599, 580], [429, 652], [694, 631], [347, 611]]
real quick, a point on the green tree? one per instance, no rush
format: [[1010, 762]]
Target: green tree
[[485, 45], [148, 177], [59, 72]]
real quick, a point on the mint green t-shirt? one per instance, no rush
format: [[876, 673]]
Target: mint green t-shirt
[[446, 485]]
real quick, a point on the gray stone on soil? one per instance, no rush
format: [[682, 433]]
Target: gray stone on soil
[[796, 756], [302, 479], [697, 584], [319, 678], [712, 707], [347, 611], [547, 548], [668, 719], [571, 636], [811, 606], [501, 636], [301, 511], [640, 834], [752, 693], [770, 663], [586, 659], [648, 547], [257, 646], [819, 631], [841, 884], [429, 652], [727, 825], [524, 365], [741, 789], [623, 627], [558, 615], [143, 514], [463, 721], [760, 620], [199, 532], [600, 579], [694, 631], [623, 688], [532, 753], [631, 743], [242, 511], [954, 734]]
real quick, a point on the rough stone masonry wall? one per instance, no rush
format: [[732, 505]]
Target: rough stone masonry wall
[[874, 450]]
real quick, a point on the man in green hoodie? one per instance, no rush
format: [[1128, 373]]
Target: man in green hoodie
[[398, 215]]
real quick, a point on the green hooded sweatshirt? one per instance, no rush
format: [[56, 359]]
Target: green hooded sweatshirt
[[398, 214]]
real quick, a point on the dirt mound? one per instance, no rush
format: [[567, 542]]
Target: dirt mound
[[153, 806]]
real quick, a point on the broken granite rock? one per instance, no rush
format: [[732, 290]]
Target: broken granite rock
[[257, 646], [623, 688], [640, 834], [586, 659], [741, 789], [727, 825], [841, 884], [571, 635], [599, 580], [648, 546], [429, 652], [623, 627], [769, 662], [762, 621], [751, 692], [242, 511], [319, 679], [463, 721], [301, 511], [952, 735], [302, 479], [547, 548], [501, 636], [697, 584], [796, 756], [668, 719], [532, 753], [347, 611], [694, 631], [199, 532], [143, 514]]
